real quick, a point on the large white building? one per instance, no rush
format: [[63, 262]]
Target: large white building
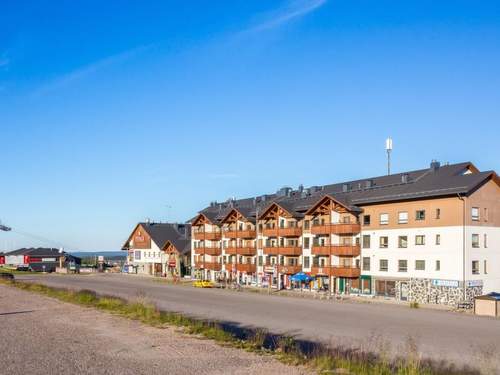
[[431, 236]]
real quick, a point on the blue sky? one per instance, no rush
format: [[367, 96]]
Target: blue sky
[[111, 113]]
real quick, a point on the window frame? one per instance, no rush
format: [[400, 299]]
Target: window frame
[[404, 221], [386, 242], [421, 262], [475, 244], [475, 217], [384, 222], [420, 217], [423, 239], [399, 242], [475, 271], [383, 269], [400, 268]]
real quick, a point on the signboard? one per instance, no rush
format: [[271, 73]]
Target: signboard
[[172, 263], [48, 259], [269, 269], [474, 283], [446, 283], [100, 259]]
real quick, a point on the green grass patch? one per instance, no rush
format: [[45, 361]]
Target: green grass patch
[[284, 348]]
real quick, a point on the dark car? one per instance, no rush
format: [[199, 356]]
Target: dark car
[[6, 276]]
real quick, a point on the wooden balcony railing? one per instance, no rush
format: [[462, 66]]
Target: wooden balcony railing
[[243, 250], [207, 250], [248, 268], [203, 235], [339, 228], [282, 250], [337, 271], [247, 233], [214, 266], [290, 270], [282, 232], [338, 250]]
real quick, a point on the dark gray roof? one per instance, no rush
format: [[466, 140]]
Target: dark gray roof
[[39, 252], [426, 183], [161, 233]]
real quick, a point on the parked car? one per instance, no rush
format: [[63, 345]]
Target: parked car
[[6, 276], [203, 284]]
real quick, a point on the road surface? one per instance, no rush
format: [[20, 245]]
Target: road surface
[[45, 336], [460, 338]]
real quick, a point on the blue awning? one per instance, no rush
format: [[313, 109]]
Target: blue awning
[[301, 277]]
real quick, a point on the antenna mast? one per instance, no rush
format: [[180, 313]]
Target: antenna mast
[[388, 148]]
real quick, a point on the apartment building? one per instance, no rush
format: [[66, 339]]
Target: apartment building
[[159, 249], [431, 235]]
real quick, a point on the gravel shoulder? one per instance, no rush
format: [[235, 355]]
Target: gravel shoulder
[[40, 335]]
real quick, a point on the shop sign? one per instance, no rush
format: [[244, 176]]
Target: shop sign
[[172, 263], [474, 283], [269, 269], [48, 259], [446, 283]]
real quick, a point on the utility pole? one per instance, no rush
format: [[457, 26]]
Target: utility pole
[[388, 148]]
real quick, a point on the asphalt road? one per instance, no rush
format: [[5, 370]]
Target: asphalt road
[[459, 338], [44, 336]]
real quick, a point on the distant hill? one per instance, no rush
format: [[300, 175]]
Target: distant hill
[[108, 255]]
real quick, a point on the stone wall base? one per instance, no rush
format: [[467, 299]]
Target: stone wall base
[[423, 291]]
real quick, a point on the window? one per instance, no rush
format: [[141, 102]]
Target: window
[[366, 241], [485, 214], [475, 213], [485, 240], [485, 267], [402, 265], [420, 215], [384, 219], [306, 262], [420, 265], [366, 263], [384, 242], [438, 265], [261, 260], [475, 240], [438, 213], [420, 239], [403, 217], [366, 219], [137, 255], [306, 242], [403, 242], [306, 224], [383, 265], [438, 239], [475, 267]]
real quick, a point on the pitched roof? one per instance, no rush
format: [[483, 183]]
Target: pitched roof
[[39, 252], [162, 233], [438, 181]]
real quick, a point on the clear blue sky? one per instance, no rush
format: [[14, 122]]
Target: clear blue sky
[[111, 113]]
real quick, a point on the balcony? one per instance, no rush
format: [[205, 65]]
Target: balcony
[[270, 232], [283, 250], [248, 268], [291, 270], [214, 266], [282, 232], [338, 250], [345, 271], [337, 271], [207, 250], [335, 229], [244, 250], [247, 233], [202, 235]]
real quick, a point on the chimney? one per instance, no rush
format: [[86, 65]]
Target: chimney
[[435, 165], [404, 178]]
